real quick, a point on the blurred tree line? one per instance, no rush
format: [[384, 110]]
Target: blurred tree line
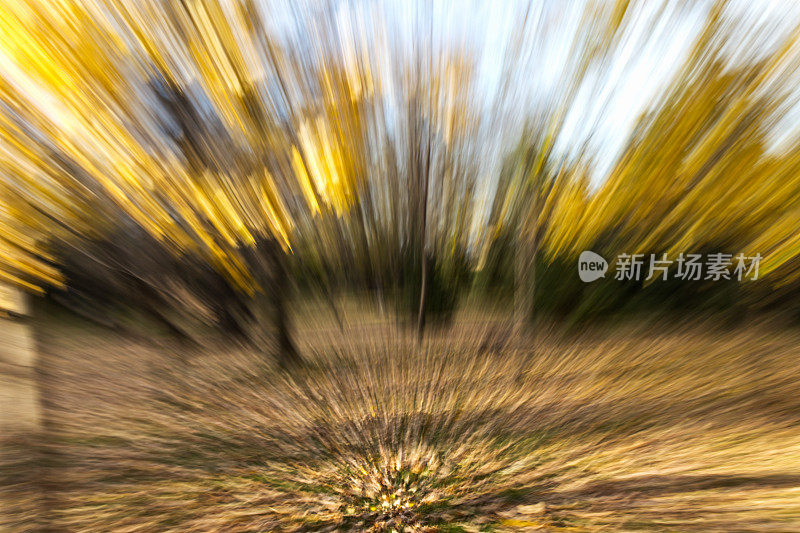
[[207, 200]]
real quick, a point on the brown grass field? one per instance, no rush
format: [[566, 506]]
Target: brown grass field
[[649, 428]]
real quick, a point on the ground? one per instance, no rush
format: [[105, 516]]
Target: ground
[[632, 428]]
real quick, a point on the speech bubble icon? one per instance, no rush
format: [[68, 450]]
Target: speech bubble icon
[[591, 266]]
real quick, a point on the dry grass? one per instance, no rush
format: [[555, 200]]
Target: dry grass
[[611, 431]]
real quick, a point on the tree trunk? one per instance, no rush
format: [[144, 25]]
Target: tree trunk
[[329, 297], [520, 286], [24, 422], [525, 263], [423, 289], [423, 293], [525, 273], [287, 353]]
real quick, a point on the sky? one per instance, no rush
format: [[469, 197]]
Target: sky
[[656, 38]]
